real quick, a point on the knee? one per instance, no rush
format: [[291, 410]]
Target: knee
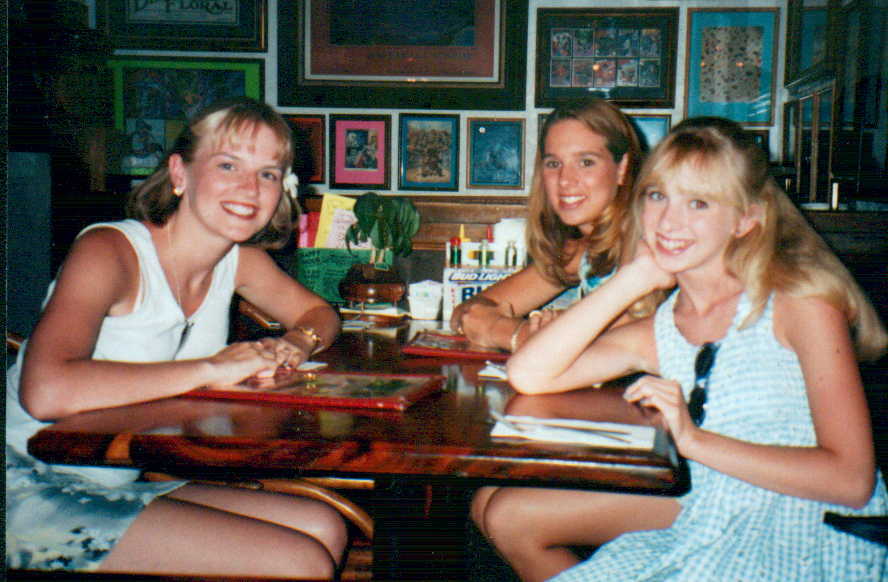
[[502, 519], [328, 526], [307, 558], [479, 506]]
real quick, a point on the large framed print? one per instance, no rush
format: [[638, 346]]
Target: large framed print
[[808, 32], [731, 64], [626, 56], [154, 97], [233, 25], [404, 54], [429, 146], [359, 151], [309, 137], [651, 128], [496, 153]]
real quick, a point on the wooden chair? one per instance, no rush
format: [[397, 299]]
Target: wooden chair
[[358, 562]]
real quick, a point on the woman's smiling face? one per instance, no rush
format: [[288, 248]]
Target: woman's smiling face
[[233, 186], [686, 229], [579, 174]]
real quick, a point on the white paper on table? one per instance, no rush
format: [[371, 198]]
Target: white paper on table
[[573, 431]]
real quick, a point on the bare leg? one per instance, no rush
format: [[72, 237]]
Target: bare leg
[[479, 506], [172, 536], [533, 528], [310, 517]]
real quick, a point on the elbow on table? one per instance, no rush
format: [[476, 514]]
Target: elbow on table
[[45, 404], [525, 381]]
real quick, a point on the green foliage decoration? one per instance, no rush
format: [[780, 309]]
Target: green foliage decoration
[[388, 222]]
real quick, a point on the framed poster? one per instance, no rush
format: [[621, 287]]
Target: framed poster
[[626, 56], [651, 128], [154, 97], [235, 25], [808, 48], [309, 138], [359, 151], [411, 54], [731, 64], [429, 146], [496, 153]]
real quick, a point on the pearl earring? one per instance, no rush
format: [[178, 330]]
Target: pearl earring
[[178, 191]]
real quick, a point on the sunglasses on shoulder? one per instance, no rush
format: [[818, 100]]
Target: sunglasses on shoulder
[[702, 368]]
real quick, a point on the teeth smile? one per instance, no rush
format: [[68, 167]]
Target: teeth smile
[[672, 245], [571, 199], [239, 209]]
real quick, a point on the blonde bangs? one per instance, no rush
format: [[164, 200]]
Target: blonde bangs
[[233, 127]]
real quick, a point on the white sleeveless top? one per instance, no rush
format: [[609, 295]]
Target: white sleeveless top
[[150, 333]]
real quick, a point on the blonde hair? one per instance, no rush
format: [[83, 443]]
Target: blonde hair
[[782, 252], [154, 201], [546, 233]]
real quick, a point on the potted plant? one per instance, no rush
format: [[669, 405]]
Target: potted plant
[[389, 223]]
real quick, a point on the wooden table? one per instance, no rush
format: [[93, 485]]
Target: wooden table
[[442, 438]]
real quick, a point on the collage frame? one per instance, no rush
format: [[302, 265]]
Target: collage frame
[[627, 56]]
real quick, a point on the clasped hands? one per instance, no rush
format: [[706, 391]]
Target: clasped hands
[[260, 358], [485, 323]]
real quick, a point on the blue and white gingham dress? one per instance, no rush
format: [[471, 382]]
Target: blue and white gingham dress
[[729, 530]]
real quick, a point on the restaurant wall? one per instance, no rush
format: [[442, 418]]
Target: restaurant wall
[[530, 113]]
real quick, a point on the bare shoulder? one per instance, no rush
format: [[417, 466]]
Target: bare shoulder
[[254, 261], [798, 319], [102, 249]]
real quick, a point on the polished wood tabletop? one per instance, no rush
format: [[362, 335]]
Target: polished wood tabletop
[[445, 435]]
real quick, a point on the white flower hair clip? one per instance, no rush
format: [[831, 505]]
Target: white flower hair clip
[[291, 185]]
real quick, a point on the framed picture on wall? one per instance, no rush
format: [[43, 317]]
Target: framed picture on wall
[[626, 56], [236, 25], [808, 32], [359, 151], [731, 64], [651, 128], [496, 153], [416, 54], [309, 138], [154, 97], [429, 146]]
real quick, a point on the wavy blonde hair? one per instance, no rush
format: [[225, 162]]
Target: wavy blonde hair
[[547, 235], [154, 201], [782, 252]]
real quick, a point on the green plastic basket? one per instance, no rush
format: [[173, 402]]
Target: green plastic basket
[[321, 270]]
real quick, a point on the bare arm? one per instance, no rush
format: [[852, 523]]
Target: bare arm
[[573, 350], [841, 467], [491, 317], [300, 311], [100, 278]]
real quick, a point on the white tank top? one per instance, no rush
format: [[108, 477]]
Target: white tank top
[[150, 333]]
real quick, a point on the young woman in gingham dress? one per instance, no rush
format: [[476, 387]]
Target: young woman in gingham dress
[[784, 434]]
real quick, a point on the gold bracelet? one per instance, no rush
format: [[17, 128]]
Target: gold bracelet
[[312, 334], [513, 341]]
